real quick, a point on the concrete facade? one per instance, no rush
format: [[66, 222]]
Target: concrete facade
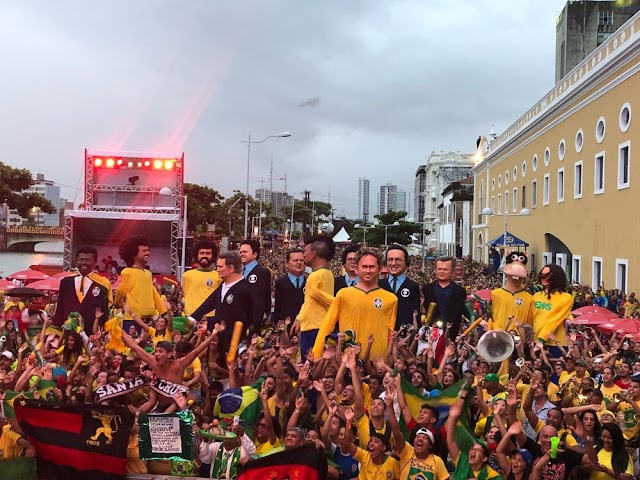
[[583, 26], [454, 231], [569, 160], [440, 170], [364, 201]]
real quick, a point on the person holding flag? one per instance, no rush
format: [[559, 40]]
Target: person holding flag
[[417, 461]]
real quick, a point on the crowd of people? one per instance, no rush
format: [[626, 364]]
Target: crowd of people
[[340, 346]]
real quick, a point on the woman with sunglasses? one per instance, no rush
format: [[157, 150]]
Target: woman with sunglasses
[[551, 308]]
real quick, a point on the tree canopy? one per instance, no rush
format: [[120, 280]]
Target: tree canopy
[[202, 203], [13, 182], [375, 234]]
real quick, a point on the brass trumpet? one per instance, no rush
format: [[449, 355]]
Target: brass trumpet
[[523, 368], [617, 397], [563, 388], [582, 397]]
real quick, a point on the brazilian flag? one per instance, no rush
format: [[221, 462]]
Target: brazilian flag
[[415, 399], [243, 402], [9, 399]]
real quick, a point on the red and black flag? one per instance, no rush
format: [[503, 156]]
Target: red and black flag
[[303, 463], [76, 441]]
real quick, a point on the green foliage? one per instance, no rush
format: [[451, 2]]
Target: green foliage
[[13, 182], [202, 201], [400, 234]]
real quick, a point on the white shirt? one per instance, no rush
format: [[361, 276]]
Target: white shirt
[[85, 286], [226, 286]]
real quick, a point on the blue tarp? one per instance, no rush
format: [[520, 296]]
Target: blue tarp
[[512, 241]]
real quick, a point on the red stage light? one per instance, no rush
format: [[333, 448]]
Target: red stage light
[[168, 165], [110, 163], [139, 164], [130, 164], [119, 162], [157, 164], [97, 162], [147, 163]]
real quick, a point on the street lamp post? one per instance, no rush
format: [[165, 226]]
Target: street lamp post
[[488, 212], [183, 266], [386, 229], [249, 142], [436, 224], [365, 228]]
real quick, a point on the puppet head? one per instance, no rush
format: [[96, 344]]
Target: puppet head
[[515, 265]]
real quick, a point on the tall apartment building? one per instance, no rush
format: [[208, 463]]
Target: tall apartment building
[[401, 201], [363, 199], [440, 170], [51, 192], [277, 200], [387, 198], [583, 25]]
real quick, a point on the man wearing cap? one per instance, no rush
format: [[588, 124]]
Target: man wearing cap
[[6, 359], [224, 455], [397, 282], [416, 461]]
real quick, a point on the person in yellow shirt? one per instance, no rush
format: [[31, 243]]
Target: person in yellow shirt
[[318, 295], [199, 283], [137, 286], [266, 438], [417, 461], [12, 444], [374, 463], [551, 308], [608, 387], [364, 308], [510, 303]]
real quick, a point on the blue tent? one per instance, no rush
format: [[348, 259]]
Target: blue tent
[[512, 241]]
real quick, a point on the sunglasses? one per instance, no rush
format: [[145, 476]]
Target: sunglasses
[[544, 276]]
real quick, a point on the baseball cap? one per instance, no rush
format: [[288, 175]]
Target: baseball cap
[[581, 362], [492, 377], [7, 354], [526, 456], [425, 431]]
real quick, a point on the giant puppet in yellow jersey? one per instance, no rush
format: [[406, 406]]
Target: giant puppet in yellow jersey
[[510, 303]]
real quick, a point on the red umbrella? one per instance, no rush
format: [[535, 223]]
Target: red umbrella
[[63, 274], [48, 284], [595, 309], [6, 285], [592, 319], [484, 294], [28, 275], [625, 325]]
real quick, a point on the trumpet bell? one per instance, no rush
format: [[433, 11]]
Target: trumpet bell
[[496, 345]]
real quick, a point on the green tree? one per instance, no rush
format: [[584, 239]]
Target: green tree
[[229, 215], [400, 233], [13, 182], [202, 203]]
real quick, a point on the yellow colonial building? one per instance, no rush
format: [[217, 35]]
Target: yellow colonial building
[[568, 160]]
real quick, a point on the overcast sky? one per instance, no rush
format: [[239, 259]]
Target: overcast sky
[[366, 87]]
